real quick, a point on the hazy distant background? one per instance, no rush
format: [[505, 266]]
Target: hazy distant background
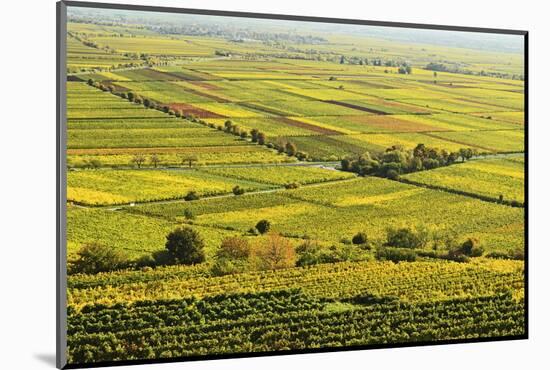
[[472, 40]]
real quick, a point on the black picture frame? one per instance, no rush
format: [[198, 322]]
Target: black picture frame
[[61, 172]]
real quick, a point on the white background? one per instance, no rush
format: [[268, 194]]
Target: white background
[[27, 181]]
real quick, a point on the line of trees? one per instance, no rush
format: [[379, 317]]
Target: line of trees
[[272, 251], [396, 160], [456, 68]]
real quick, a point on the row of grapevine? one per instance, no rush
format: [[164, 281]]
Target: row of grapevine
[[278, 321]]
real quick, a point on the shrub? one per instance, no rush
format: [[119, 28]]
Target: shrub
[[360, 238], [518, 254], [93, 258], [188, 214], [162, 258], [185, 246], [146, 261], [192, 195], [234, 248], [263, 226], [237, 190], [395, 254], [261, 138], [471, 248], [458, 257], [225, 266], [498, 255], [292, 185], [515, 203], [232, 257], [92, 163], [311, 253], [290, 149], [392, 174], [477, 251], [404, 238]]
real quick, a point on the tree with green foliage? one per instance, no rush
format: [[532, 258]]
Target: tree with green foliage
[[263, 226], [185, 246], [94, 257], [228, 125], [395, 254], [465, 153], [345, 164], [360, 238]]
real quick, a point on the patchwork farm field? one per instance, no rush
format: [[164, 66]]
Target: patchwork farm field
[[236, 191]]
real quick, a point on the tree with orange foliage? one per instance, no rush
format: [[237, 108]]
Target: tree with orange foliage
[[274, 252]]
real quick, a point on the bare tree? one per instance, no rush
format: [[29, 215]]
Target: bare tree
[[138, 160], [189, 159], [155, 160]]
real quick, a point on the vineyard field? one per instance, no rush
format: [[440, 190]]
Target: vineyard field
[[127, 186], [491, 177], [332, 211], [235, 188]]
